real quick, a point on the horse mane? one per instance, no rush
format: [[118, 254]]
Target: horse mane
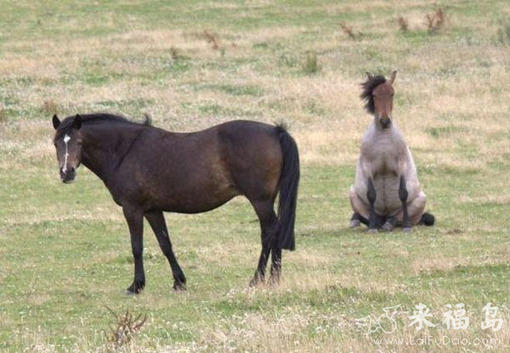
[[100, 118], [368, 88]]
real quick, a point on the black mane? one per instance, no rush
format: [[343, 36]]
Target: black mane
[[98, 118], [368, 87]]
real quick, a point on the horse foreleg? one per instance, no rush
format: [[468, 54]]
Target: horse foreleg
[[158, 225], [415, 210], [372, 217], [403, 195], [269, 231], [390, 223], [134, 220]]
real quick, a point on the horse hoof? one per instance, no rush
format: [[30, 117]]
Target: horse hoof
[[372, 230], [130, 291], [256, 281], [407, 229], [180, 278], [136, 287], [274, 281], [355, 223], [179, 287], [387, 227]]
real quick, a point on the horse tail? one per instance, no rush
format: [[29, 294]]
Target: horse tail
[[288, 187], [427, 219]]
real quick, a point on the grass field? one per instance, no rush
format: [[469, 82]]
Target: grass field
[[64, 249]]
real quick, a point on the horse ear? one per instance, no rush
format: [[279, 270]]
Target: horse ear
[[56, 121], [393, 76], [369, 75], [77, 122]]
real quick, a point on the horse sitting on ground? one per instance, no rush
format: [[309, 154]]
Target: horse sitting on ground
[[386, 192], [149, 170]]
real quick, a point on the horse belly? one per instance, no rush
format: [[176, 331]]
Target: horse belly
[[200, 193], [387, 202], [195, 203]]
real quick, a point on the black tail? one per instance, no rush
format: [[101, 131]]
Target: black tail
[[428, 219], [289, 181]]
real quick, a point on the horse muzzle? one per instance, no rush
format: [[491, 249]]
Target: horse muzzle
[[68, 176], [385, 122]]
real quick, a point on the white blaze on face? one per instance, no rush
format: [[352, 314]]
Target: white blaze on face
[[66, 155]]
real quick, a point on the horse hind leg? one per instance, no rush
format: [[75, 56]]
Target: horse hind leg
[[415, 210], [276, 262], [269, 227], [360, 210]]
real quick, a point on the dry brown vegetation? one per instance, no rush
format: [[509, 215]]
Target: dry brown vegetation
[[122, 331], [436, 20], [211, 39], [349, 31], [403, 24]]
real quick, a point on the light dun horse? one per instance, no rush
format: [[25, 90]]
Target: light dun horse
[[149, 170], [386, 192]]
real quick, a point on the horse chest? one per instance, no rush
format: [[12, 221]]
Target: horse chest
[[384, 165], [383, 160], [384, 168]]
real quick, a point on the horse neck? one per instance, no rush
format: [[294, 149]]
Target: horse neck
[[390, 139], [103, 148]]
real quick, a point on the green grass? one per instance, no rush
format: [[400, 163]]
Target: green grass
[[65, 249], [78, 266]]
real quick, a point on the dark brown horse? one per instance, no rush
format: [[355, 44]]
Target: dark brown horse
[[149, 170]]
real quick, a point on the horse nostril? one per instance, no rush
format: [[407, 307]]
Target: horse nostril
[[385, 122]]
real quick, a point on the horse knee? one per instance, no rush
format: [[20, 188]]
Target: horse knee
[[417, 207], [166, 250], [421, 200], [137, 254]]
